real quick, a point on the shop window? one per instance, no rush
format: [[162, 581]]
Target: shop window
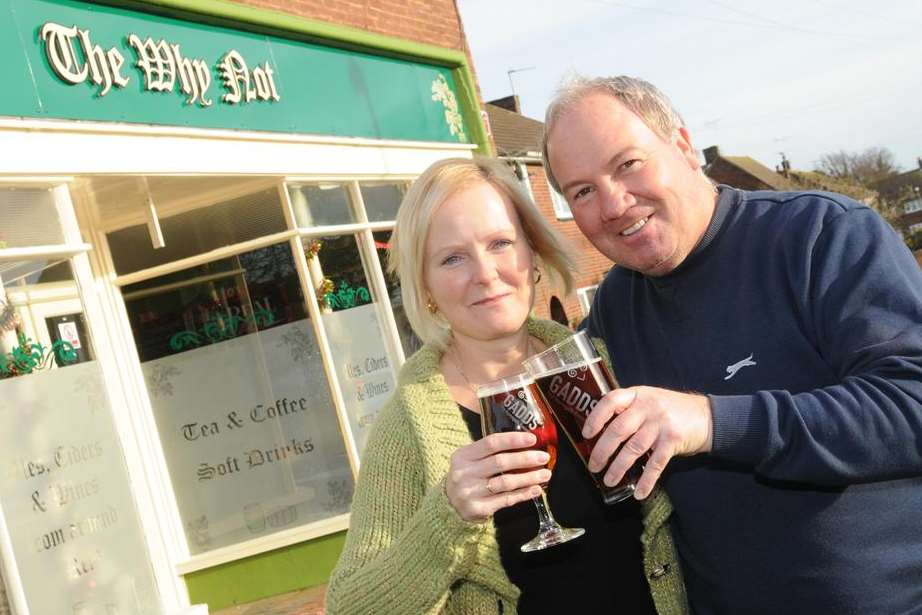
[[321, 204], [408, 339], [198, 231], [364, 363], [240, 397], [30, 218], [382, 200], [66, 498]]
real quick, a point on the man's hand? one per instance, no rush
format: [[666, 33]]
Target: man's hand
[[666, 423]]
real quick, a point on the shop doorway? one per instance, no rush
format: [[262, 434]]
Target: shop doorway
[[70, 537]]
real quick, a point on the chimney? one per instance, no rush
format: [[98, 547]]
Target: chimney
[[711, 154], [509, 103], [785, 165]]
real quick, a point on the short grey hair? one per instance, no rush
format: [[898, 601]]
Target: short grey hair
[[406, 253], [642, 98]]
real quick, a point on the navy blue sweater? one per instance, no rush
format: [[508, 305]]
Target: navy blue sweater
[[800, 315]]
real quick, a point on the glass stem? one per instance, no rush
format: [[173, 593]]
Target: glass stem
[[546, 521]]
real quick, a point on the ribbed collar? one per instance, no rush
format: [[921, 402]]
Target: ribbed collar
[[727, 198]]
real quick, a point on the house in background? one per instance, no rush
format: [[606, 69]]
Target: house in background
[[742, 172], [906, 190], [518, 142], [750, 174]]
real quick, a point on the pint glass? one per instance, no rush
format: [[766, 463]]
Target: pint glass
[[514, 404], [573, 378]]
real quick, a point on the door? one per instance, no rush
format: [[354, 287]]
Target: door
[[69, 532]]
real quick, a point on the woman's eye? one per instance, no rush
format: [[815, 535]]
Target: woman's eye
[[451, 260], [502, 243], [630, 163]]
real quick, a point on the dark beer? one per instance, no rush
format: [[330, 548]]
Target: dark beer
[[572, 393], [514, 403], [521, 409]]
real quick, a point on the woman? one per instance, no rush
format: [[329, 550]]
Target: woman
[[435, 524]]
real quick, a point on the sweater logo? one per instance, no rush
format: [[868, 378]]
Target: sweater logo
[[732, 369]]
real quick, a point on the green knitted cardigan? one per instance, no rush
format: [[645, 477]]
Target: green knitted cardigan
[[408, 552]]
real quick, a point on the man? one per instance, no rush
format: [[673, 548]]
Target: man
[[771, 349]]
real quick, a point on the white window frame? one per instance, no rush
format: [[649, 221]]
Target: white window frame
[[585, 295], [521, 173], [912, 206], [561, 207]]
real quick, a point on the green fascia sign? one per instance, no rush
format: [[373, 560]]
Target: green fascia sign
[[81, 61]]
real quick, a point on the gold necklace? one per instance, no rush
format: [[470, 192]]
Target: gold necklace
[[456, 360]]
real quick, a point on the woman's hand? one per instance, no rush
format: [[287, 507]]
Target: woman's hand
[[476, 484]]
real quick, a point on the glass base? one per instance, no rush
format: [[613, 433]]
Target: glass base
[[554, 536]]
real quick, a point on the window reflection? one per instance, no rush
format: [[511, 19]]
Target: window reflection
[[382, 200], [345, 284], [321, 204], [199, 230], [215, 302]]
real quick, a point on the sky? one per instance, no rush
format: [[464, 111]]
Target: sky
[[803, 77]]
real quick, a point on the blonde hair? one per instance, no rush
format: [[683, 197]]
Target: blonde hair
[[406, 255], [642, 98]]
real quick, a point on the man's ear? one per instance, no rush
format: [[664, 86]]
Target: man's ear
[[684, 143]]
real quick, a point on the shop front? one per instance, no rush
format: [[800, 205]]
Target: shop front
[[196, 329]]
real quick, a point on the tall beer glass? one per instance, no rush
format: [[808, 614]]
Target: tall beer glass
[[514, 404], [573, 378]]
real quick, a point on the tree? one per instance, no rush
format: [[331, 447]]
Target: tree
[[866, 167]]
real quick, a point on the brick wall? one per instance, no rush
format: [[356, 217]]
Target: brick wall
[[435, 22], [591, 265]]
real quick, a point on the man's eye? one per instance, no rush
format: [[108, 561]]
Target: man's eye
[[581, 193]]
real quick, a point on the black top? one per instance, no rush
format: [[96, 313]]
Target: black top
[[600, 572]]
